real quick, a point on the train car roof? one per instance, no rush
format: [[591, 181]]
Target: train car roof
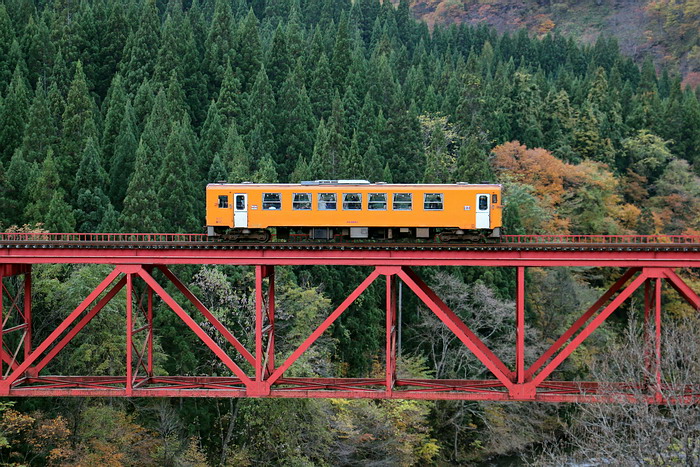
[[352, 183]]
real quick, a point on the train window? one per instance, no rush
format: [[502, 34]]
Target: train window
[[223, 201], [327, 201], [494, 199], [483, 202], [272, 201], [376, 202], [403, 202], [433, 202], [240, 202], [352, 201], [301, 201]]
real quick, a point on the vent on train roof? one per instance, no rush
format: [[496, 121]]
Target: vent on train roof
[[335, 182]]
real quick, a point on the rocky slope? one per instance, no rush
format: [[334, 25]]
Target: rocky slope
[[663, 29]]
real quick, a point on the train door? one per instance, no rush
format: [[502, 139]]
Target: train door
[[240, 211], [482, 211]]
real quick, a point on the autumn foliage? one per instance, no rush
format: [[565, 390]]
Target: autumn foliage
[[570, 198]]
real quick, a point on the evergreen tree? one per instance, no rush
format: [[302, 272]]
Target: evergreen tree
[[111, 41], [249, 58], [235, 157], [143, 105], [213, 137], [440, 161], [220, 46], [7, 34], [41, 130], [141, 48], [20, 176], [301, 172], [340, 63], [110, 221], [321, 166], [174, 46], [266, 172], [353, 167], [294, 125], [473, 163], [176, 199], [261, 108], [321, 91], [279, 61], [15, 60], [351, 104], [113, 119], [78, 126], [402, 145], [231, 101], [38, 49], [142, 211], [88, 190], [60, 75], [588, 143], [8, 203], [179, 55], [13, 115], [372, 164], [44, 185], [387, 175], [122, 164], [59, 217], [366, 124], [337, 145], [217, 171], [158, 125]]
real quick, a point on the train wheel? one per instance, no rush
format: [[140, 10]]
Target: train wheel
[[265, 236]]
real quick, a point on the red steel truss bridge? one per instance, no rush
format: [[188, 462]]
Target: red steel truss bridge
[[141, 264]]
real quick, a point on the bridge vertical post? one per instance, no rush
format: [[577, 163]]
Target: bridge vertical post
[[2, 322], [390, 332], [28, 312], [260, 386], [149, 318], [520, 325], [270, 352], [657, 341], [129, 331], [647, 327], [258, 323]]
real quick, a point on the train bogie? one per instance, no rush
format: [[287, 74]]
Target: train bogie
[[324, 210]]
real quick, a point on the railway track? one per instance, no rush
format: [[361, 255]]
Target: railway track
[[328, 246], [160, 241]]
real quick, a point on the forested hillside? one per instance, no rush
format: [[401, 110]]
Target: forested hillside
[[666, 30], [115, 114]]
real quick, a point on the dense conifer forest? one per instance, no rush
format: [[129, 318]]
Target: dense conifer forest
[[115, 114]]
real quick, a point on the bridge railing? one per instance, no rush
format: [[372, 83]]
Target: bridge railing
[[602, 239], [103, 237]]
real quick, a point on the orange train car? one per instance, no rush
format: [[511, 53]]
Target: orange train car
[[355, 209]]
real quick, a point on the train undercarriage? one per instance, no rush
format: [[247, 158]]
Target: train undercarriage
[[345, 234]]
